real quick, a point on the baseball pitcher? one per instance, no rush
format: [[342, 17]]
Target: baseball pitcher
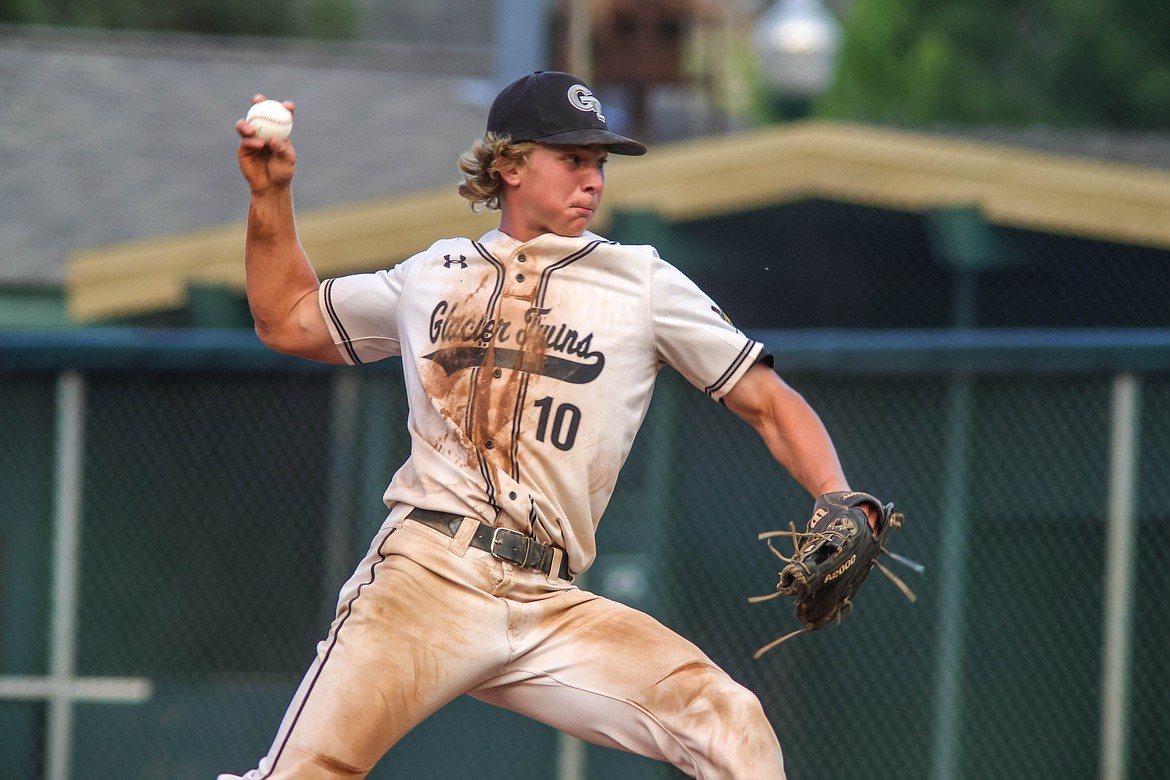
[[530, 355]]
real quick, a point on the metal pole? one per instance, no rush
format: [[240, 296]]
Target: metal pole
[[580, 39], [521, 39], [67, 539], [338, 553], [955, 529], [571, 752], [952, 571], [570, 757], [1119, 578]]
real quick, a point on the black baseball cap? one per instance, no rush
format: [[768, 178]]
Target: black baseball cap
[[556, 108]]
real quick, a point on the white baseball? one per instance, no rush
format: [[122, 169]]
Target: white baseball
[[270, 119]]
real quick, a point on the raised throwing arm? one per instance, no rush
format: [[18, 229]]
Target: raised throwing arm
[[281, 283]]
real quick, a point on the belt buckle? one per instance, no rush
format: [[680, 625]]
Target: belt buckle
[[511, 545]]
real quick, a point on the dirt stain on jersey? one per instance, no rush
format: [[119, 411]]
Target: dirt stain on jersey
[[603, 471], [449, 395], [498, 391]]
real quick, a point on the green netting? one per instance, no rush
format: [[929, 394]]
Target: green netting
[[221, 510]]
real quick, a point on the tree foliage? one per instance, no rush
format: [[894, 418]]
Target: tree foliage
[[1061, 62]]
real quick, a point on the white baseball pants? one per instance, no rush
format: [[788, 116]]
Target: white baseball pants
[[424, 619]]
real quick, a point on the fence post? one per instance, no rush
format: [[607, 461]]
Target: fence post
[[338, 550], [70, 455], [570, 758], [1119, 577], [952, 571]]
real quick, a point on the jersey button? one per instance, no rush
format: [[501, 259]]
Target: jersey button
[[497, 373], [519, 277], [489, 444], [521, 258], [512, 495]]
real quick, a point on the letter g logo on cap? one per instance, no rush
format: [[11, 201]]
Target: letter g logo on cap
[[583, 100]]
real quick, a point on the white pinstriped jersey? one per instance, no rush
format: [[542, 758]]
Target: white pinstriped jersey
[[529, 369]]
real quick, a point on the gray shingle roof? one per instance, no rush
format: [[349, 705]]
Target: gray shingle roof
[[114, 137]]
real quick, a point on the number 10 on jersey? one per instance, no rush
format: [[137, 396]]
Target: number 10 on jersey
[[565, 420]]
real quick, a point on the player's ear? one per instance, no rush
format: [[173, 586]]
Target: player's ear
[[509, 172]]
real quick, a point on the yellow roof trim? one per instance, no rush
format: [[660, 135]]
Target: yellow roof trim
[[685, 181], [153, 274], [900, 170]]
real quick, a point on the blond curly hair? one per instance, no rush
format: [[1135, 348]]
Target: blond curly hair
[[481, 166]]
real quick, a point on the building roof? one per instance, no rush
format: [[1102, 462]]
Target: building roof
[[682, 181], [120, 182], [112, 137]]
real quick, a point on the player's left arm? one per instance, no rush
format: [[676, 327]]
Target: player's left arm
[[790, 427]]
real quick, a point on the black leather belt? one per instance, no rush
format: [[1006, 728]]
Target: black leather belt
[[502, 543]]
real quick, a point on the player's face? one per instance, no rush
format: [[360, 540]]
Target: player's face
[[557, 190]]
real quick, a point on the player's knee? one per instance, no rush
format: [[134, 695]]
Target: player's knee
[[724, 724], [710, 697], [743, 744], [741, 711]]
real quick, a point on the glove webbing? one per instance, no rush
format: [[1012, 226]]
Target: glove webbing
[[799, 540]]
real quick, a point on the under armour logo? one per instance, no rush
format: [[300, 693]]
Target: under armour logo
[[582, 99], [449, 263]]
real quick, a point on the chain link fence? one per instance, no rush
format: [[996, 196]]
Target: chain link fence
[[178, 515], [216, 511]]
